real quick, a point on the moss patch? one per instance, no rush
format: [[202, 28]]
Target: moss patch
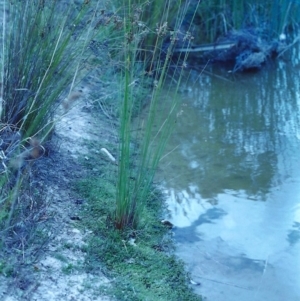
[[140, 261]]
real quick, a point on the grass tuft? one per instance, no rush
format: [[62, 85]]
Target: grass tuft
[[137, 166]]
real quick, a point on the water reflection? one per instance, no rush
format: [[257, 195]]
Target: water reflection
[[294, 235], [233, 184], [232, 134]]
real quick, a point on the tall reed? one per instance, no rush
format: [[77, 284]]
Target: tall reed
[[43, 45], [152, 14], [137, 165]]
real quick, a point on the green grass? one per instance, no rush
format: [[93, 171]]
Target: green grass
[[140, 260]]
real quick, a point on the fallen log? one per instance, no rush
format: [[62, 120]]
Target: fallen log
[[206, 47], [244, 49]]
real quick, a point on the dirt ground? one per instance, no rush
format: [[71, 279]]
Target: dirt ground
[[53, 277]]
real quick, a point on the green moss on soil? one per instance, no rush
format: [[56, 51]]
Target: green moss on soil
[[140, 261]]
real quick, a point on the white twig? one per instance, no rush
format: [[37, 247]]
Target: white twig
[[167, 154], [226, 283], [296, 40], [109, 155]]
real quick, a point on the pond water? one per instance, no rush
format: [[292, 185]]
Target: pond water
[[232, 181]]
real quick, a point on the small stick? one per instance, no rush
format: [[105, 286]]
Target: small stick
[[109, 155], [230, 284]]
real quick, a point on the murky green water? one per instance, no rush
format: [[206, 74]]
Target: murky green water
[[233, 183]]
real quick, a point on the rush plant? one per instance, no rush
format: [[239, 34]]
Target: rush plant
[[43, 45], [41, 49], [150, 128]]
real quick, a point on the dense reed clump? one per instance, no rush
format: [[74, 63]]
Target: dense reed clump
[[43, 47], [150, 128]]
